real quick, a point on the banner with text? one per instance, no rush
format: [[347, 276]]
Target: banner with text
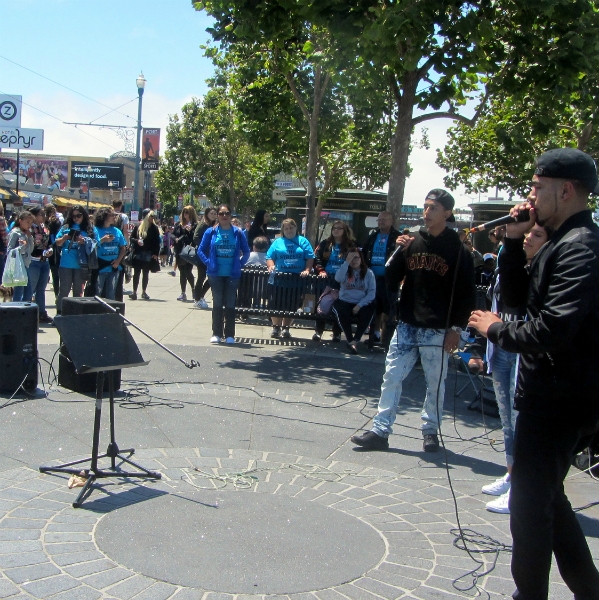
[[100, 175], [150, 149], [22, 139]]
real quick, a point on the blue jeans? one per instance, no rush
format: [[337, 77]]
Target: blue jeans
[[107, 282], [503, 367], [224, 294], [39, 275], [407, 343], [20, 291]]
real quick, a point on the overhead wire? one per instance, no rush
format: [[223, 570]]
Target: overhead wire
[[63, 123], [68, 88]]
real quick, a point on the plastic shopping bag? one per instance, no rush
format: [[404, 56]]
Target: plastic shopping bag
[[15, 274]]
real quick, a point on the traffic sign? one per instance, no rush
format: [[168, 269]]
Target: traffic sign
[[10, 110]]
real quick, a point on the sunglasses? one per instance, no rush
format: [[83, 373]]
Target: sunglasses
[[224, 213], [337, 228], [77, 216]]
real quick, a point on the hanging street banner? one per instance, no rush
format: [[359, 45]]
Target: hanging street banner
[[22, 139], [10, 110], [150, 149]]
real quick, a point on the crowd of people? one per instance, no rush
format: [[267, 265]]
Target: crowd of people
[[540, 334]]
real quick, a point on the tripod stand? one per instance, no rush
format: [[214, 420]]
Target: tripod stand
[[106, 345]]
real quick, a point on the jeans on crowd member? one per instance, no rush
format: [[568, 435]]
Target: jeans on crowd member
[[185, 275], [107, 284], [20, 291], [39, 275], [70, 278], [202, 284], [2, 263], [343, 312], [542, 521], [224, 294], [504, 383], [407, 343]]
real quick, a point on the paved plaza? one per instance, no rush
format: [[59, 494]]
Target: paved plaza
[[262, 493]]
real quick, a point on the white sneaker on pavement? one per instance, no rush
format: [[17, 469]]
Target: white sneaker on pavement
[[501, 505], [214, 340], [201, 303], [230, 340], [498, 487]]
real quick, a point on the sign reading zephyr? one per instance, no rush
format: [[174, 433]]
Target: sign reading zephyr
[[22, 139], [150, 144]]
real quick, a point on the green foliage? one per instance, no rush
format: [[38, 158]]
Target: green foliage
[[500, 149]]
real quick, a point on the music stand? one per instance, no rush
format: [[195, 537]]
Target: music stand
[[100, 344]]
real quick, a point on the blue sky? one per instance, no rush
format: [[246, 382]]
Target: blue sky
[[97, 48]]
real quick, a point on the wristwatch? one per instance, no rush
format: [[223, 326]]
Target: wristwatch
[[457, 329]]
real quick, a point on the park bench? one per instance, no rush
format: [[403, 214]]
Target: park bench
[[298, 296]]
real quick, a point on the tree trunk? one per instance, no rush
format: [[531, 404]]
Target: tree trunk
[[312, 217], [400, 145]]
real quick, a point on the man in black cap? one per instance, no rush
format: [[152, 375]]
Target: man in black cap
[[557, 392], [436, 299]]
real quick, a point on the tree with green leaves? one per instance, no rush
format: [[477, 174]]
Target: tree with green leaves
[[499, 150], [207, 149], [438, 56], [294, 100]]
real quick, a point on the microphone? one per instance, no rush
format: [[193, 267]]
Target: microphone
[[397, 251], [523, 215]]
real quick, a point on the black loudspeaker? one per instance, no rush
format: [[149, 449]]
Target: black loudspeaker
[[18, 346], [67, 376]]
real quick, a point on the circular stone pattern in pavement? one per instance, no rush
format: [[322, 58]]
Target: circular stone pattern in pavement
[[240, 543]]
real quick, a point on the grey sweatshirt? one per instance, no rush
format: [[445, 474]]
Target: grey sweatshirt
[[356, 290]]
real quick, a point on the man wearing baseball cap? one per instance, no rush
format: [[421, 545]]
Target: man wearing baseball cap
[[436, 299], [557, 392]]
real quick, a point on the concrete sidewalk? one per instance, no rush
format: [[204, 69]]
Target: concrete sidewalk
[[262, 492]]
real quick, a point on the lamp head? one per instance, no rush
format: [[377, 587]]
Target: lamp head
[[141, 81]]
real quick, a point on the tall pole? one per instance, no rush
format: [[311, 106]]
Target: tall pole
[[141, 82]]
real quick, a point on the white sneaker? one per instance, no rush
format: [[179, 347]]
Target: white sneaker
[[501, 505], [201, 303], [230, 340], [214, 340], [498, 487]]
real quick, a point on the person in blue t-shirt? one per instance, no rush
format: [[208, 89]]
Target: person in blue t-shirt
[[76, 228], [111, 250], [377, 249], [329, 256], [224, 250], [291, 253]]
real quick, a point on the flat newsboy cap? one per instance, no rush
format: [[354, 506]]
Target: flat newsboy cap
[[569, 163], [444, 198]]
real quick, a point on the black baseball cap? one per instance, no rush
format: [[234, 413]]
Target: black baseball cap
[[571, 164], [444, 198]]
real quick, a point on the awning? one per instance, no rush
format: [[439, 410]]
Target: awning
[[68, 202]]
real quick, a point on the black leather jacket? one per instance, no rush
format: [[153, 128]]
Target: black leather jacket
[[559, 341]]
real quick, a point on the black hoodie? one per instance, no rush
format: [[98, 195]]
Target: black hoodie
[[429, 268]]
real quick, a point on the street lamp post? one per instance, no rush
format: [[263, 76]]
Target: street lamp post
[[89, 184], [141, 84]]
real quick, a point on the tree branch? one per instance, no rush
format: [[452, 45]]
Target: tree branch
[[323, 87], [395, 89], [297, 96], [449, 114]]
